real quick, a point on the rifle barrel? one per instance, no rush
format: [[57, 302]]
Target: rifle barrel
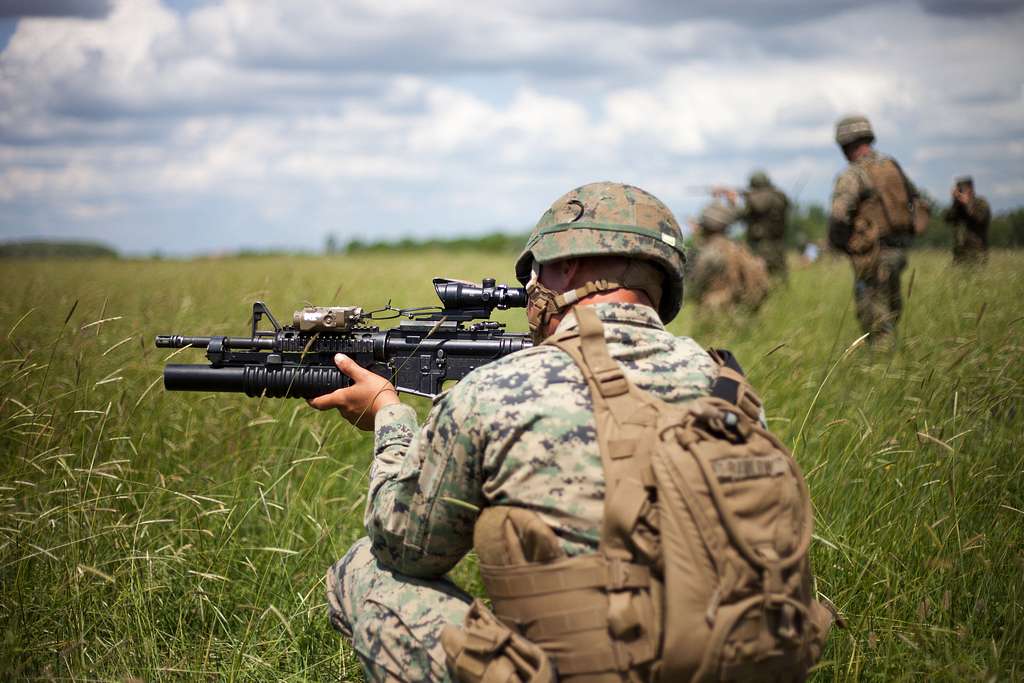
[[177, 341]]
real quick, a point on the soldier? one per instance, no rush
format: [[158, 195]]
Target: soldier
[[518, 431], [969, 217], [516, 437], [726, 275], [872, 221], [764, 211]]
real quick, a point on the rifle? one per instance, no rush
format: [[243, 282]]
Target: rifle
[[713, 190], [435, 344]]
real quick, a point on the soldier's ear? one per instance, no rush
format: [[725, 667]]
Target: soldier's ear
[[568, 269]]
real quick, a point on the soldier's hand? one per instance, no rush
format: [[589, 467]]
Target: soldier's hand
[[360, 402]]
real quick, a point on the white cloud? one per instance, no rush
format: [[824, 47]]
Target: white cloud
[[707, 106], [425, 115], [1008, 188]]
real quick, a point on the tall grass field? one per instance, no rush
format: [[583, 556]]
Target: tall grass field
[[146, 535]]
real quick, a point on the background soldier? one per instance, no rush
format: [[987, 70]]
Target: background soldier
[[726, 275], [517, 432], [969, 217], [873, 221], [764, 211]]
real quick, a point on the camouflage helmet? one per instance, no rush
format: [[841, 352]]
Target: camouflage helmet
[[610, 219], [716, 217], [759, 179], [852, 129]]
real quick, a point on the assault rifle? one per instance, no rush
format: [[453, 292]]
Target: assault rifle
[[435, 344], [714, 190]]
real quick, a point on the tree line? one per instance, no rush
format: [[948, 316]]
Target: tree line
[[806, 223]]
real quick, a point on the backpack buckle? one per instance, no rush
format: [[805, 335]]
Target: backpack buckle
[[611, 382]]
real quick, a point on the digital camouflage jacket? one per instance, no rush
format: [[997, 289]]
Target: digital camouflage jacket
[[519, 431]]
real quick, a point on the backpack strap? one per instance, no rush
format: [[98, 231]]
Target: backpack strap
[[623, 416], [912, 197], [585, 344], [608, 377], [732, 385]]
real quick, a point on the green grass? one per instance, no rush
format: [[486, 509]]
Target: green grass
[[185, 536]]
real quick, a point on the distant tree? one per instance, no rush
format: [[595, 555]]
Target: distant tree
[[807, 223], [493, 242], [1007, 229], [56, 249]]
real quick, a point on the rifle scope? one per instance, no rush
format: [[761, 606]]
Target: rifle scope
[[459, 295]]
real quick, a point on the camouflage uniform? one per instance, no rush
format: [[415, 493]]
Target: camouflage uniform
[[876, 286], [519, 431], [970, 230], [719, 279], [726, 275], [764, 212]]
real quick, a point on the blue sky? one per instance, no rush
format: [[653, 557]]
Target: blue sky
[[213, 125]]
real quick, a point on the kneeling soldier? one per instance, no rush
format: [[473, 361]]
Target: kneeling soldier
[[534, 459]]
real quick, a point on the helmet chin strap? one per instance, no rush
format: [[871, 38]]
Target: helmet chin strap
[[543, 303]]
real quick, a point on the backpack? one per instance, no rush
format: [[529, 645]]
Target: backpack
[[746, 276], [890, 208], [754, 278], [701, 573], [741, 279]]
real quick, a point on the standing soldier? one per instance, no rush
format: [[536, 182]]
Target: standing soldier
[[969, 217], [764, 211], [726, 275], [548, 463], [873, 221]]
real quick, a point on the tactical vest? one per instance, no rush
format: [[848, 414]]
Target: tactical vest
[[887, 211], [701, 573], [767, 209]]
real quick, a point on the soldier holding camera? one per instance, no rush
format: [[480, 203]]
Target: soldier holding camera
[[969, 216]]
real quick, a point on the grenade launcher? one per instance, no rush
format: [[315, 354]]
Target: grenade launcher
[[433, 345]]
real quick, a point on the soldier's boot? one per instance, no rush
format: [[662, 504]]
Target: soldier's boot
[[392, 621]]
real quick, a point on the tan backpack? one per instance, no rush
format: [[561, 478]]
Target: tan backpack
[[743, 280], [701, 573], [755, 280], [889, 207]]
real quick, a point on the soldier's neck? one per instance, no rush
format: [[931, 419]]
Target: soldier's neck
[[859, 152], [617, 296]]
